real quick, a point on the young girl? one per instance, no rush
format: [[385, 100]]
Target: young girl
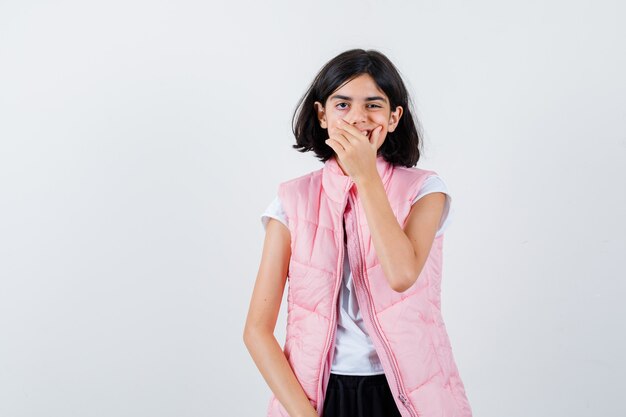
[[360, 242]]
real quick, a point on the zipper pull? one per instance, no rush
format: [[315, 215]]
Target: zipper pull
[[402, 398]]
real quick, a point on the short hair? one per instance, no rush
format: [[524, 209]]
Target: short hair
[[401, 147]]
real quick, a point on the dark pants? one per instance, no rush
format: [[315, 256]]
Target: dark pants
[[359, 396]]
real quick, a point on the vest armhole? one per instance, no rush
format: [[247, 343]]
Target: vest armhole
[[283, 200], [417, 183]]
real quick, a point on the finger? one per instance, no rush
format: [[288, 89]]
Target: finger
[[344, 134], [350, 130], [342, 139], [336, 146], [375, 136]]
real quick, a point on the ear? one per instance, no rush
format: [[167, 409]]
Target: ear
[[321, 114], [394, 119]]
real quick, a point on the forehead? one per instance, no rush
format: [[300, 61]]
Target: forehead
[[360, 87]]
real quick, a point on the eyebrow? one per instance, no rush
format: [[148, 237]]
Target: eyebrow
[[373, 98]]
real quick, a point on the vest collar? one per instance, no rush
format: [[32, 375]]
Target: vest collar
[[336, 184]]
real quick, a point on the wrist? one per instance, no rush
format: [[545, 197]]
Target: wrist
[[368, 180]]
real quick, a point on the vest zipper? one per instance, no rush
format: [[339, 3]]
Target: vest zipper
[[333, 326], [401, 395]]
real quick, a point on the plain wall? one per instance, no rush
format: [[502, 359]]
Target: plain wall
[[141, 140]]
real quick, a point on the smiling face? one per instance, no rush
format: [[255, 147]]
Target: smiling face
[[361, 103]]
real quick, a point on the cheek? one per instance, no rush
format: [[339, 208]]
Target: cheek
[[382, 120], [333, 119], [332, 126]]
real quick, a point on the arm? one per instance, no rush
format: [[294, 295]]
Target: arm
[[258, 333], [402, 253]]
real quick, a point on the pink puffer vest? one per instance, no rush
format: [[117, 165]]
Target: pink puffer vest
[[407, 328]]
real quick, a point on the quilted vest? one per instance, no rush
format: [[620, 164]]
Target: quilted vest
[[407, 329]]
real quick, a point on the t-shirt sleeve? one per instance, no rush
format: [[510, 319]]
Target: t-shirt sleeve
[[432, 184], [274, 210]]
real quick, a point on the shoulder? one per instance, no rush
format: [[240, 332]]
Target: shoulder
[[433, 183], [279, 206], [300, 179], [411, 175], [294, 186], [406, 182], [275, 211]]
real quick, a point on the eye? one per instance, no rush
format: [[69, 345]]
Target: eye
[[376, 106], [340, 104]]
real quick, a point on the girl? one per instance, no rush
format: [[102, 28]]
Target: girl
[[360, 242]]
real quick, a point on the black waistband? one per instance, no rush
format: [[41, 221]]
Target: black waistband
[[354, 381]]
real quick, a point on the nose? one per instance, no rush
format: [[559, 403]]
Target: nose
[[355, 116]]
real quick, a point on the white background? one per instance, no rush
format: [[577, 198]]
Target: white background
[[141, 140]]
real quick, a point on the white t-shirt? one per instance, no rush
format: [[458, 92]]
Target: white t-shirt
[[354, 352]]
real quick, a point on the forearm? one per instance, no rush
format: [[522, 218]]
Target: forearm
[[393, 247], [275, 369]]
